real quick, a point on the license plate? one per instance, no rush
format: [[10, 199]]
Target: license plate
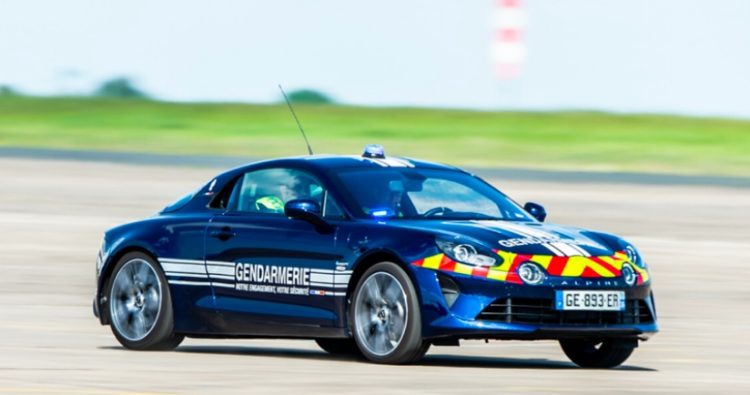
[[590, 300]]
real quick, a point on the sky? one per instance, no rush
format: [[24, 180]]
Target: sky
[[655, 56]]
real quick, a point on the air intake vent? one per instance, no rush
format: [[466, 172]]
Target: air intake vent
[[542, 311], [449, 288]]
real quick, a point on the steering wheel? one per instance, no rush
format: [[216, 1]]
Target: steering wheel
[[437, 211]]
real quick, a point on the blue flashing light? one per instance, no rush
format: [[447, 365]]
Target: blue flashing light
[[380, 213], [374, 151]]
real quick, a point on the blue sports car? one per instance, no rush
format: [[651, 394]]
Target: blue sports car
[[371, 255]]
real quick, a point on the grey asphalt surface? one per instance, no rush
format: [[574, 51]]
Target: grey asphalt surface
[[53, 212]]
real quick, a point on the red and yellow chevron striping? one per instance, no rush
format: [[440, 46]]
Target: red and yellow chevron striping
[[561, 266]]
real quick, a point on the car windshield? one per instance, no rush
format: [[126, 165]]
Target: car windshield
[[410, 193]]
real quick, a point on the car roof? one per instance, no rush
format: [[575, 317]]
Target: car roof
[[320, 164], [325, 162]]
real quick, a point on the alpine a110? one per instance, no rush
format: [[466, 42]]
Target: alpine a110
[[372, 255]]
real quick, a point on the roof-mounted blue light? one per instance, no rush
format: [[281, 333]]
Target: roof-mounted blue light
[[381, 213], [374, 151]]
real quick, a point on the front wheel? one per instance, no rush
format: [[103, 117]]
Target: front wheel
[[140, 305], [386, 317], [601, 354]]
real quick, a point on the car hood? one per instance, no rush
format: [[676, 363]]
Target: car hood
[[526, 238]]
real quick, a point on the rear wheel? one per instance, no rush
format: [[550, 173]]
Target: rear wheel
[[140, 305], [598, 353], [385, 316], [347, 347]]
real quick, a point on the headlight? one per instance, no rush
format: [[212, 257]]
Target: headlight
[[531, 273], [465, 253], [634, 256], [628, 275]]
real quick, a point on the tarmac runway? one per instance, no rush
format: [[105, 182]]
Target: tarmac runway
[[696, 240]]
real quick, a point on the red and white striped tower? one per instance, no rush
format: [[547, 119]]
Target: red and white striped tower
[[507, 49]]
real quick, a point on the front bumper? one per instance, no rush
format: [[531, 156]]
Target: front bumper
[[489, 309], [453, 327]]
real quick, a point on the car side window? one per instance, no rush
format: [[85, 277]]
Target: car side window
[[267, 191], [222, 199]]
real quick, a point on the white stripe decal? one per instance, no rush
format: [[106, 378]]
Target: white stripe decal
[[221, 277], [569, 249], [395, 162], [321, 278], [174, 264], [566, 248], [328, 285], [326, 271], [178, 267], [178, 274], [321, 292], [220, 263], [536, 233], [515, 229], [553, 249], [404, 161], [201, 283], [224, 270], [181, 282], [233, 264], [578, 248], [376, 161], [330, 279], [523, 231], [175, 260]]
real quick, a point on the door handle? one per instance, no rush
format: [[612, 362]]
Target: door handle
[[224, 234]]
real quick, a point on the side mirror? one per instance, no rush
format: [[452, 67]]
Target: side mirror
[[306, 210], [536, 210]]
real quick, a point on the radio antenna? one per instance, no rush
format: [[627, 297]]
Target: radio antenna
[[288, 103]]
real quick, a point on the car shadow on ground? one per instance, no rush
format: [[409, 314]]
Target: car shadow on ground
[[436, 359], [474, 361]]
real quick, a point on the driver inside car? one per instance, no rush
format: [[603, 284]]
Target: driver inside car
[[387, 201], [395, 196], [294, 187]]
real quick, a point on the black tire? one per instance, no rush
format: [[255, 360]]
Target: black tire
[[343, 347], [410, 347], [158, 335], [599, 354]]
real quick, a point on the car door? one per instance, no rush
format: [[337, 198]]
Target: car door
[[268, 271]]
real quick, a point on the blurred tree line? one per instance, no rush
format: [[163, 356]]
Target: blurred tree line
[[125, 88], [309, 96], [120, 87], [6, 90]]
